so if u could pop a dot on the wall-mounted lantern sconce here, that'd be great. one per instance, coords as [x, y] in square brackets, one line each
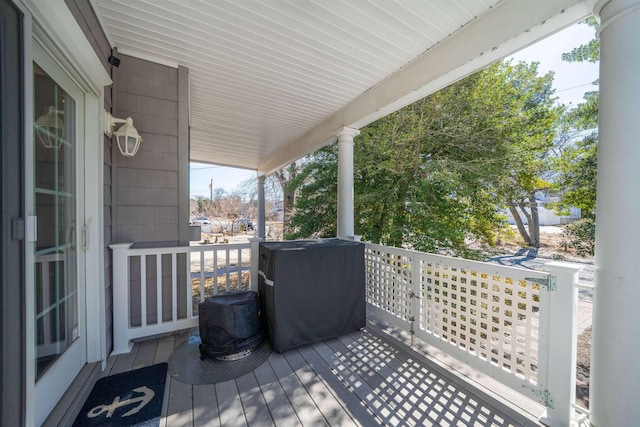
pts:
[49, 128]
[127, 136]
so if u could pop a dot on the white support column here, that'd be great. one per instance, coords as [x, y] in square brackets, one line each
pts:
[615, 354]
[261, 208]
[345, 181]
[562, 344]
[255, 257]
[121, 315]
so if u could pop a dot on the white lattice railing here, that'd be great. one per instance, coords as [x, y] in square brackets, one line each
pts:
[497, 319]
[157, 290]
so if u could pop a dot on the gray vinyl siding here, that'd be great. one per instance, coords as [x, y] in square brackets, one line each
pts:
[150, 193]
[147, 194]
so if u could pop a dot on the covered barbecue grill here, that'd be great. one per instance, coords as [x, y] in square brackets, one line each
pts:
[311, 290]
[230, 325]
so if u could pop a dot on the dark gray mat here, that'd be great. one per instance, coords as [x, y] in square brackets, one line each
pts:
[185, 364]
[131, 398]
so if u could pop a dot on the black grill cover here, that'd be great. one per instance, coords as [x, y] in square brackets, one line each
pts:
[229, 323]
[311, 290]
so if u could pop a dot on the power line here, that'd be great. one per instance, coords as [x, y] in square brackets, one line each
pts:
[575, 87]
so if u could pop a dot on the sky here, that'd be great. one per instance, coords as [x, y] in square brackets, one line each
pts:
[571, 81]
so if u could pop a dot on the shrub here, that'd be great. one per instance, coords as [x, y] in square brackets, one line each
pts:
[580, 236]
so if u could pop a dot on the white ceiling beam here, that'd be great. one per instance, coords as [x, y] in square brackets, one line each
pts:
[503, 30]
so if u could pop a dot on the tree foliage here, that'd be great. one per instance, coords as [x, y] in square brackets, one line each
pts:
[589, 52]
[577, 166]
[316, 205]
[434, 174]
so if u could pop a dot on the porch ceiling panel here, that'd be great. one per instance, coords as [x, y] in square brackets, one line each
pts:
[266, 74]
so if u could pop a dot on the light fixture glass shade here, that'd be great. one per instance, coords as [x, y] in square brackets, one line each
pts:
[128, 138]
[49, 128]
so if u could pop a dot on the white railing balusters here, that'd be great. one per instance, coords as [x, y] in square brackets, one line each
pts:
[228, 275]
[143, 291]
[215, 272]
[174, 286]
[123, 331]
[239, 268]
[202, 275]
[513, 324]
[158, 289]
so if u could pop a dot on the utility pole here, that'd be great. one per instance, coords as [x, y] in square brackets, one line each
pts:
[211, 190]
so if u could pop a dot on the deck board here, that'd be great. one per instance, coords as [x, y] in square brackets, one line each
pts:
[255, 407]
[328, 405]
[361, 382]
[124, 362]
[146, 354]
[358, 379]
[279, 406]
[303, 404]
[180, 406]
[229, 405]
[340, 390]
[205, 406]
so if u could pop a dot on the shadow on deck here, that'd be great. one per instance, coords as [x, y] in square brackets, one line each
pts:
[365, 378]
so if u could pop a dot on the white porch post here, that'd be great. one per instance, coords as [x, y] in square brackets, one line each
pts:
[345, 181]
[562, 344]
[255, 257]
[261, 208]
[121, 343]
[615, 369]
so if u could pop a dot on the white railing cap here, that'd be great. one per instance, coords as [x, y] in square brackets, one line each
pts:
[563, 266]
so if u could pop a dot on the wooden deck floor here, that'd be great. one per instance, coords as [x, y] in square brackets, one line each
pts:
[360, 379]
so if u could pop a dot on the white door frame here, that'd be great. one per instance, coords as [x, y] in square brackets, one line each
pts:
[52, 384]
[53, 25]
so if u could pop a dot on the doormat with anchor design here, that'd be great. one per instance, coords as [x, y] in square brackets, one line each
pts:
[131, 398]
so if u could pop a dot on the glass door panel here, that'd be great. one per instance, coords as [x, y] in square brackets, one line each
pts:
[56, 287]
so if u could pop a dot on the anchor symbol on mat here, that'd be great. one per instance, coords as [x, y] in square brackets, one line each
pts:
[147, 395]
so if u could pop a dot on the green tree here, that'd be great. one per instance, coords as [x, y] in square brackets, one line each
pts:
[531, 120]
[316, 206]
[434, 174]
[406, 185]
[577, 165]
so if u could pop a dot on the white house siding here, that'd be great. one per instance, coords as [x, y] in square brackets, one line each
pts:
[549, 217]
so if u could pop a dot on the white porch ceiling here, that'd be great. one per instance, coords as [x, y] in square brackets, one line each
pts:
[272, 79]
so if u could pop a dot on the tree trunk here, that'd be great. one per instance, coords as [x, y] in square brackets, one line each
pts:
[289, 199]
[397, 231]
[534, 222]
[285, 176]
[518, 220]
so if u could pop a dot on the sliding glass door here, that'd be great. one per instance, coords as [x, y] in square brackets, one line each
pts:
[60, 344]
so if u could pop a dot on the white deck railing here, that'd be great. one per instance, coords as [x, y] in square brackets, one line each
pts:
[513, 324]
[157, 290]
[516, 325]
